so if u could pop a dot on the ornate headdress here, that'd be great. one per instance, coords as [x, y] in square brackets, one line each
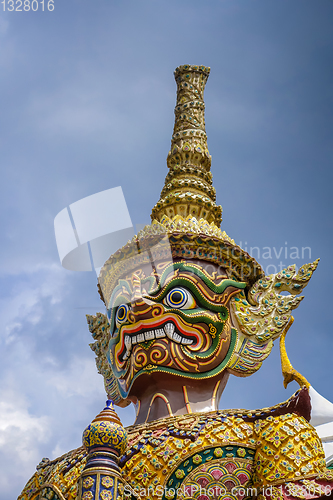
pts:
[186, 220]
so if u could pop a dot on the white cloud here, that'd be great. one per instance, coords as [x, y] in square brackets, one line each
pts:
[15, 420]
[45, 384]
[24, 302]
[21, 434]
[79, 379]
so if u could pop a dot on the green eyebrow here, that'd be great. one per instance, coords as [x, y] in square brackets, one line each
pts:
[194, 270]
[159, 294]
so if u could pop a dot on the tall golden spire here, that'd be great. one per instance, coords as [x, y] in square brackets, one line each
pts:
[186, 212]
[188, 189]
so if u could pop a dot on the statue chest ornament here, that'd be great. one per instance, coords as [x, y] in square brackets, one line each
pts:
[234, 454]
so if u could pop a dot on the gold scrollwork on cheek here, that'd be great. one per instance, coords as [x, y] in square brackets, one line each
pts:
[212, 330]
[140, 359]
[159, 356]
[131, 317]
[157, 310]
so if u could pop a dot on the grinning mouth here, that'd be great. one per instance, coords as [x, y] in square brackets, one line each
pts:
[169, 330]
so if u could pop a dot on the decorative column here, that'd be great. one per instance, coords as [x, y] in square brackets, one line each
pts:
[105, 440]
[188, 189]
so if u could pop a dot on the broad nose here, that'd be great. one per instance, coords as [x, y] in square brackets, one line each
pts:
[140, 307]
[141, 310]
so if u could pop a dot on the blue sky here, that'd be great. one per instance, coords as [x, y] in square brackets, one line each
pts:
[87, 96]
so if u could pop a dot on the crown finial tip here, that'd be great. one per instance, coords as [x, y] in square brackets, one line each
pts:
[188, 189]
[192, 67]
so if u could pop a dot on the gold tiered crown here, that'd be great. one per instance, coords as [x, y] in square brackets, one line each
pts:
[188, 189]
[186, 213]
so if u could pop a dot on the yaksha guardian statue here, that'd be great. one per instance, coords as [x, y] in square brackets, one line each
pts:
[187, 307]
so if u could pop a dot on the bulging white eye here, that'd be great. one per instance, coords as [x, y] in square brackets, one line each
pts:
[179, 298]
[121, 314]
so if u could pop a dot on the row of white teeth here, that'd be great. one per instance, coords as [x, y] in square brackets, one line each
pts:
[167, 331]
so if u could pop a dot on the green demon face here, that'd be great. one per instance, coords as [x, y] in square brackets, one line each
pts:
[192, 320]
[175, 320]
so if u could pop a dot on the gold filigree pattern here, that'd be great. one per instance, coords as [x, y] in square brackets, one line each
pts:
[61, 474]
[87, 482]
[107, 481]
[266, 313]
[285, 448]
[289, 449]
[278, 450]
